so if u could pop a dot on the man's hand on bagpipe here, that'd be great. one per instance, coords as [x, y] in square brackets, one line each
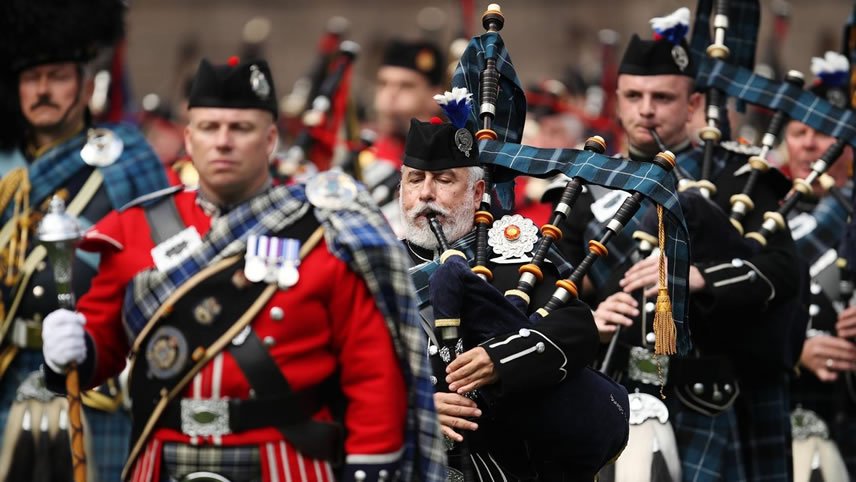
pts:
[471, 370]
[455, 412]
[846, 324]
[615, 311]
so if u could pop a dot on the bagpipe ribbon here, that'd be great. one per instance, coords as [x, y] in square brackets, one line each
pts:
[800, 105]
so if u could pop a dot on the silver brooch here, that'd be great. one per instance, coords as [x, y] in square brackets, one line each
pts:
[512, 237]
[464, 141]
[102, 147]
[682, 60]
[259, 83]
[331, 190]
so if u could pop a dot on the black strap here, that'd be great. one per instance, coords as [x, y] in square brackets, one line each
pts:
[315, 439]
[164, 220]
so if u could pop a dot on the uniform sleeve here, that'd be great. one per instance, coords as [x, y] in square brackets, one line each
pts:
[102, 304]
[751, 283]
[371, 379]
[566, 340]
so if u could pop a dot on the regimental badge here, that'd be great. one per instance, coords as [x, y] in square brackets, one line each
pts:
[331, 190]
[102, 147]
[837, 98]
[464, 141]
[166, 352]
[259, 83]
[512, 237]
[207, 310]
[679, 55]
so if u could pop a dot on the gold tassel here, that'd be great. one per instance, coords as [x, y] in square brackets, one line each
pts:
[664, 325]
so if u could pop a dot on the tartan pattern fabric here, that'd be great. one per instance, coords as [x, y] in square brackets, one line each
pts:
[240, 464]
[800, 105]
[361, 237]
[709, 447]
[617, 173]
[763, 417]
[138, 171]
[831, 220]
[272, 211]
[741, 36]
[510, 103]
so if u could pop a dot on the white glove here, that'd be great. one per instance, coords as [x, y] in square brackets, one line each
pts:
[63, 340]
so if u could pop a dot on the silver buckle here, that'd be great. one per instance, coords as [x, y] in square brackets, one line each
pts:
[642, 366]
[200, 418]
[204, 477]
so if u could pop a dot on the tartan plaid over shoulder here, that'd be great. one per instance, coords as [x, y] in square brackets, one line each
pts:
[360, 236]
[657, 184]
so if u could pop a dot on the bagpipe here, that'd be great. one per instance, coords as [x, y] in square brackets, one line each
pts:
[317, 108]
[469, 310]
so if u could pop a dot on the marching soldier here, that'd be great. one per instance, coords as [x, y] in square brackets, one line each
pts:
[51, 146]
[728, 281]
[271, 329]
[516, 373]
[823, 413]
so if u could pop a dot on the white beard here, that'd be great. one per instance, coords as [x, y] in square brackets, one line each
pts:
[456, 223]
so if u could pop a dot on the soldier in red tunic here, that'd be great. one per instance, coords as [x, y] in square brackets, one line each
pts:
[271, 330]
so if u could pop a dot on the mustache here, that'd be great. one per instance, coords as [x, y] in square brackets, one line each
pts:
[426, 209]
[43, 101]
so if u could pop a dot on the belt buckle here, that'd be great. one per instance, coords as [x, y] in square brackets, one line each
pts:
[200, 418]
[642, 366]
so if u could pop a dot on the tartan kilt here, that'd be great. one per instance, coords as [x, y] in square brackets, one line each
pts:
[709, 447]
[764, 422]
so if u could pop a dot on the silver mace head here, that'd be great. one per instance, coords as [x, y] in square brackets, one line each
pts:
[59, 232]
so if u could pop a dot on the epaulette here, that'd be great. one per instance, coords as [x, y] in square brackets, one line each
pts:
[740, 148]
[152, 196]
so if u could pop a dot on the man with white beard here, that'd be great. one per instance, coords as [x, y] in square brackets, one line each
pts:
[509, 372]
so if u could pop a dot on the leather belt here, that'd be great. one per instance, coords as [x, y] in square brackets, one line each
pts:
[220, 417]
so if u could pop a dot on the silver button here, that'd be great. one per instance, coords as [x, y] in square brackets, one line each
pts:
[651, 337]
[38, 291]
[524, 332]
[737, 262]
[41, 266]
[698, 388]
[813, 310]
[752, 275]
[540, 347]
[360, 475]
[717, 395]
[276, 313]
[432, 350]
[815, 288]
[650, 307]
[727, 388]
[433, 380]
[268, 341]
[382, 475]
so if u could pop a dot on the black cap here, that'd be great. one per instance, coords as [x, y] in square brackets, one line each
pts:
[423, 57]
[36, 32]
[656, 57]
[244, 85]
[432, 146]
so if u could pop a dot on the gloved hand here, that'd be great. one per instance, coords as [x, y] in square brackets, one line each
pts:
[63, 339]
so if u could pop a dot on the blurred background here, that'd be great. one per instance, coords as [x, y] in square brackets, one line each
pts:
[556, 39]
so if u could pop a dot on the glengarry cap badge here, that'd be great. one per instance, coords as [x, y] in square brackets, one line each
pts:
[259, 83]
[464, 141]
[679, 55]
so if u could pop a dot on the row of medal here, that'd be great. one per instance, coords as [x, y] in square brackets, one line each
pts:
[272, 260]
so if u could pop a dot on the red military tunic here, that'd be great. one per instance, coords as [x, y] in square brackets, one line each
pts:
[330, 322]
